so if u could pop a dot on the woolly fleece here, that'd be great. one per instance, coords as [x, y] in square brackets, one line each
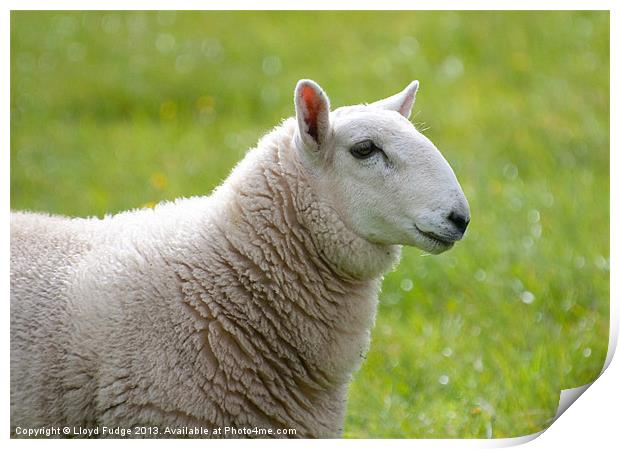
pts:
[251, 307]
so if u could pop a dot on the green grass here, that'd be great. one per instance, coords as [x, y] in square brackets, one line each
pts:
[111, 111]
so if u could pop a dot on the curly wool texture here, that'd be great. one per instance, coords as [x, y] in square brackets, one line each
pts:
[251, 307]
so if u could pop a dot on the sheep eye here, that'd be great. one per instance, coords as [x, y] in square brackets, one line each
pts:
[365, 149]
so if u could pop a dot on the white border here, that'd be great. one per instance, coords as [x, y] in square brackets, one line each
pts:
[590, 420]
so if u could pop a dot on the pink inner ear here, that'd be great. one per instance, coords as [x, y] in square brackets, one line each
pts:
[313, 106]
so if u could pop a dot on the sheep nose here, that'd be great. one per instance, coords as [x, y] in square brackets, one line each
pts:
[459, 220]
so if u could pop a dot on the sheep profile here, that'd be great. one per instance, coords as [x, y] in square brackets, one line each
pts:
[247, 309]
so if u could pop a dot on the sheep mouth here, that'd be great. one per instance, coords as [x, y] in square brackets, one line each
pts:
[434, 237]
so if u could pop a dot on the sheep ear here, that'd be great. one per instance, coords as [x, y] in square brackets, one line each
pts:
[312, 109]
[402, 102]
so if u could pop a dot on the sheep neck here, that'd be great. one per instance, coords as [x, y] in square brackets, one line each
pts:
[349, 255]
[300, 251]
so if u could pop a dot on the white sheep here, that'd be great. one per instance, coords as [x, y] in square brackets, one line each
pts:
[250, 308]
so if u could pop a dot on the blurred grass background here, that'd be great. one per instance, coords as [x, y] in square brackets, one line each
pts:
[112, 110]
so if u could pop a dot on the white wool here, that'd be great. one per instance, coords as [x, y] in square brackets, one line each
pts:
[250, 307]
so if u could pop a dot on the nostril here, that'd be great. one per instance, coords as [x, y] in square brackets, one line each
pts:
[460, 221]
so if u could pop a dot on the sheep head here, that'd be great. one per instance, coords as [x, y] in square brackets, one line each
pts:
[388, 181]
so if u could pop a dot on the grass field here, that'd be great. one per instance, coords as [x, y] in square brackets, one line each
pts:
[111, 111]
